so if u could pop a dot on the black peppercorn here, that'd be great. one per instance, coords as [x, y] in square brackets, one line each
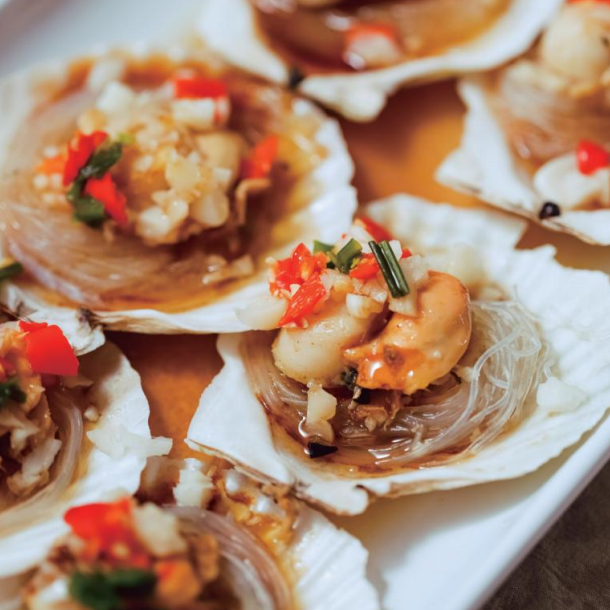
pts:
[317, 450]
[295, 78]
[548, 210]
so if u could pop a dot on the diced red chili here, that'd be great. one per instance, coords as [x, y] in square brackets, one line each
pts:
[52, 165]
[105, 191]
[304, 301]
[591, 157]
[109, 533]
[48, 350]
[368, 267]
[261, 158]
[361, 30]
[80, 150]
[375, 230]
[297, 268]
[199, 87]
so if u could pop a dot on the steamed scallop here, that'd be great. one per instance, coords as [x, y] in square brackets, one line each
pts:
[511, 374]
[537, 131]
[169, 178]
[228, 543]
[351, 58]
[72, 429]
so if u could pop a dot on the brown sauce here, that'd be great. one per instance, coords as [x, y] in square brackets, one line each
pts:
[314, 39]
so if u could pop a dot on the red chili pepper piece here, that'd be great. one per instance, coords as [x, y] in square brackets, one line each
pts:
[365, 30]
[591, 157]
[105, 191]
[297, 268]
[368, 267]
[109, 532]
[261, 158]
[48, 350]
[376, 231]
[199, 87]
[304, 301]
[80, 150]
[53, 165]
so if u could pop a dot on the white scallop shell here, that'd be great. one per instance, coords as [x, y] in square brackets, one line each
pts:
[117, 394]
[327, 216]
[329, 565]
[229, 28]
[485, 166]
[571, 309]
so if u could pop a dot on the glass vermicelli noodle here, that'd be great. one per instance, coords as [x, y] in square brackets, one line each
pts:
[542, 124]
[252, 574]
[68, 417]
[448, 420]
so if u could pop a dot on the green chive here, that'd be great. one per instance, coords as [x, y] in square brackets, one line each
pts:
[392, 273]
[111, 590]
[320, 246]
[126, 138]
[10, 270]
[346, 256]
[90, 211]
[101, 161]
[10, 390]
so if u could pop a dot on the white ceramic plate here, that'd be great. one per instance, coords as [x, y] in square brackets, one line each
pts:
[441, 551]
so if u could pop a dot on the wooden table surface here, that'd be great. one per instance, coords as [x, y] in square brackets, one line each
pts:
[397, 153]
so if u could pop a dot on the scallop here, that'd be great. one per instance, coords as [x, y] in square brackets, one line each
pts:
[486, 166]
[569, 323]
[119, 442]
[230, 28]
[323, 209]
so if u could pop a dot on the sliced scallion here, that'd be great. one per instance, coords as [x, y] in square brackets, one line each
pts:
[10, 270]
[392, 273]
[345, 257]
[320, 246]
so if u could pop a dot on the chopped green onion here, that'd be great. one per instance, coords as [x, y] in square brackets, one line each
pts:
[10, 390]
[10, 270]
[346, 256]
[90, 211]
[320, 246]
[126, 138]
[109, 591]
[392, 273]
[101, 161]
[349, 378]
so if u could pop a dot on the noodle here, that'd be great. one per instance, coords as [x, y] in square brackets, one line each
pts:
[68, 418]
[440, 423]
[253, 575]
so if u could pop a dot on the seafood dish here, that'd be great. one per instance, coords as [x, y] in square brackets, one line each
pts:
[536, 131]
[71, 428]
[169, 180]
[414, 354]
[219, 541]
[352, 55]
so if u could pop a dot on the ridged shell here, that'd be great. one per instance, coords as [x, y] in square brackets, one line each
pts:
[117, 394]
[570, 307]
[330, 566]
[485, 166]
[328, 215]
[229, 27]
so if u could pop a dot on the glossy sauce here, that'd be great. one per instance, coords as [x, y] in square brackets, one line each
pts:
[314, 39]
[397, 153]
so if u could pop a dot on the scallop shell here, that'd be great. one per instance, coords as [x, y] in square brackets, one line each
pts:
[331, 566]
[570, 306]
[485, 166]
[328, 215]
[229, 28]
[118, 395]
